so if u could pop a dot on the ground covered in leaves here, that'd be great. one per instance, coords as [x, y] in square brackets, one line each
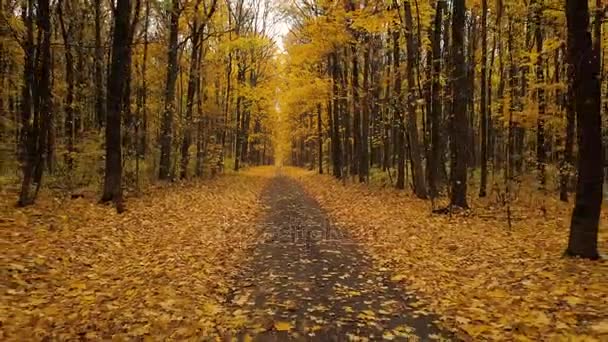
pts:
[283, 254]
[75, 269]
[307, 280]
[486, 281]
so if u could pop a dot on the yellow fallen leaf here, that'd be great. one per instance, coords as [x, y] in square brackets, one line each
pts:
[600, 327]
[398, 277]
[283, 326]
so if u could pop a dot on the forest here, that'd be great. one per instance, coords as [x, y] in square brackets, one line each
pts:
[324, 170]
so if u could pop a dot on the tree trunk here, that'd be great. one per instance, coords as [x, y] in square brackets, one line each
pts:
[37, 89]
[69, 79]
[320, 138]
[484, 102]
[117, 81]
[584, 72]
[540, 79]
[412, 126]
[357, 145]
[397, 108]
[459, 117]
[335, 136]
[193, 79]
[436, 103]
[99, 95]
[365, 106]
[164, 172]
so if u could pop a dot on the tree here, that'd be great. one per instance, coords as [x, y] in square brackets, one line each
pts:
[483, 99]
[37, 98]
[458, 122]
[584, 76]
[117, 80]
[412, 126]
[436, 103]
[164, 170]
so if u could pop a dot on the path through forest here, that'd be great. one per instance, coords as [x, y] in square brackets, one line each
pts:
[307, 279]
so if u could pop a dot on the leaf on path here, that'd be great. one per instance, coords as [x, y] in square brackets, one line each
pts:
[283, 326]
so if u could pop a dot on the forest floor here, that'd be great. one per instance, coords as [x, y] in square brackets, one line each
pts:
[276, 255]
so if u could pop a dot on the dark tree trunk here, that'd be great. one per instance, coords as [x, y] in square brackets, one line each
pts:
[143, 137]
[193, 80]
[357, 145]
[164, 171]
[38, 75]
[398, 111]
[99, 93]
[459, 125]
[585, 78]
[365, 107]
[117, 80]
[335, 136]
[412, 127]
[320, 138]
[484, 101]
[69, 79]
[436, 104]
[540, 79]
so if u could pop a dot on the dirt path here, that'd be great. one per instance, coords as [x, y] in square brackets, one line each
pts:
[307, 281]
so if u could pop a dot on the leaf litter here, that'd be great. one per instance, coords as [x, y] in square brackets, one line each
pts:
[484, 280]
[78, 270]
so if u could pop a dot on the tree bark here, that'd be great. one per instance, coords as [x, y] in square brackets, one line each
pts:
[459, 125]
[484, 102]
[585, 78]
[540, 79]
[397, 109]
[117, 80]
[164, 172]
[436, 103]
[99, 93]
[412, 125]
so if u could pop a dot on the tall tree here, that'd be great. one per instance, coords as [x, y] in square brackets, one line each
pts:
[412, 120]
[484, 99]
[37, 89]
[164, 170]
[397, 107]
[436, 102]
[99, 93]
[458, 122]
[117, 80]
[585, 77]
[540, 79]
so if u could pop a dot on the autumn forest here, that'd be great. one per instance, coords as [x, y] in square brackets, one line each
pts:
[324, 170]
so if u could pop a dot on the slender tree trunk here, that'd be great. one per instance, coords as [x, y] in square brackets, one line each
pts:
[365, 106]
[540, 78]
[459, 117]
[357, 145]
[436, 103]
[397, 108]
[193, 79]
[484, 102]
[585, 70]
[38, 76]
[99, 93]
[320, 138]
[164, 172]
[143, 139]
[335, 136]
[412, 122]
[69, 79]
[116, 87]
